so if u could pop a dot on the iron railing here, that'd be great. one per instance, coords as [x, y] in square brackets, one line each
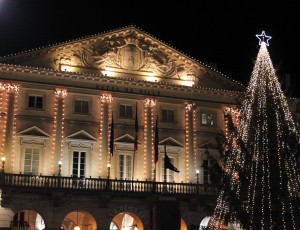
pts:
[102, 184]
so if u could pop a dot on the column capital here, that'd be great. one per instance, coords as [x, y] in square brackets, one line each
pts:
[149, 102]
[61, 93]
[106, 98]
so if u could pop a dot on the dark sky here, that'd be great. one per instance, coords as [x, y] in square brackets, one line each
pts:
[221, 32]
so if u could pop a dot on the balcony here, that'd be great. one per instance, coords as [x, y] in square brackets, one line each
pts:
[53, 183]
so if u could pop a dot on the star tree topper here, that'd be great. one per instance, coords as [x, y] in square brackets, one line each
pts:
[263, 38]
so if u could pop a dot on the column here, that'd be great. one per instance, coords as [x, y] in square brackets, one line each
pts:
[149, 105]
[106, 114]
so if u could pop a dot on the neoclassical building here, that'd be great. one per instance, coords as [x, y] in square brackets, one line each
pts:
[69, 115]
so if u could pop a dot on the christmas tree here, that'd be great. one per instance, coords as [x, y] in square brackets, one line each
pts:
[260, 187]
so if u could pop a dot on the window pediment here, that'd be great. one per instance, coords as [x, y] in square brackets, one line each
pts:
[81, 139]
[33, 135]
[125, 142]
[172, 146]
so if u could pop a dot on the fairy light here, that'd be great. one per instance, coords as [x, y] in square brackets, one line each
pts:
[195, 139]
[145, 138]
[266, 127]
[61, 95]
[188, 110]
[3, 110]
[8, 90]
[105, 99]
[54, 128]
[109, 131]
[149, 104]
[14, 89]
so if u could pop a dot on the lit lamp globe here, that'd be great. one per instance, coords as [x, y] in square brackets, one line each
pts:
[76, 227]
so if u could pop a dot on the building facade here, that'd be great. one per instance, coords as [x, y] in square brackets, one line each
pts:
[71, 114]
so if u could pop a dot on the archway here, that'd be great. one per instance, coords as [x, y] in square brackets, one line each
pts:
[183, 225]
[126, 221]
[79, 220]
[29, 219]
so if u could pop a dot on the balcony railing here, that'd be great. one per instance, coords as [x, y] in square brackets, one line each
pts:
[102, 184]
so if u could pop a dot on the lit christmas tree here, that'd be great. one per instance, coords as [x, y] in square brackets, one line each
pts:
[260, 188]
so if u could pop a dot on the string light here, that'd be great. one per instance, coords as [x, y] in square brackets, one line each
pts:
[267, 160]
[149, 104]
[104, 100]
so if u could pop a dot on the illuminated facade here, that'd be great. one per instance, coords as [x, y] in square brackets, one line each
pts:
[57, 104]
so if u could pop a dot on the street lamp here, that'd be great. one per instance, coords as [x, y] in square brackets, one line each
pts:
[108, 170]
[59, 168]
[3, 163]
[197, 175]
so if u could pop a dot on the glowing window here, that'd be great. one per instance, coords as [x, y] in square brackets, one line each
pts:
[207, 119]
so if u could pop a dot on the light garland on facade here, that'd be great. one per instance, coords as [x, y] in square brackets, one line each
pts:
[7, 89]
[188, 109]
[61, 94]
[15, 91]
[110, 116]
[149, 105]
[105, 99]
[195, 140]
[3, 110]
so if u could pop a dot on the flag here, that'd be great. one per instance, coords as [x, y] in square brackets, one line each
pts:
[168, 164]
[111, 143]
[156, 143]
[136, 130]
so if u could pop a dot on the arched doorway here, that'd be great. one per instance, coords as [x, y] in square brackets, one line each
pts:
[27, 219]
[79, 220]
[126, 221]
[183, 225]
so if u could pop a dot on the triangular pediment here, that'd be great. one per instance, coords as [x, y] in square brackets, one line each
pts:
[34, 132]
[82, 136]
[125, 139]
[171, 142]
[128, 52]
[208, 145]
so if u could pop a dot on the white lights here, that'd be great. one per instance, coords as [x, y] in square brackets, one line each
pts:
[263, 38]
[262, 169]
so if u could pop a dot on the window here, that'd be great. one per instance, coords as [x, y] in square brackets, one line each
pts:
[81, 106]
[125, 166]
[79, 164]
[169, 173]
[35, 102]
[31, 161]
[207, 119]
[167, 115]
[125, 111]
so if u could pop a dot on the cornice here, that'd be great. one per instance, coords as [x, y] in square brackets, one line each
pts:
[95, 78]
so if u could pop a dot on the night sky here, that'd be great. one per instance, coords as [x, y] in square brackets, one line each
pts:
[220, 32]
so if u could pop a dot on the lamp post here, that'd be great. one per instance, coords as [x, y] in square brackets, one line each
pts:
[197, 175]
[108, 170]
[59, 168]
[3, 163]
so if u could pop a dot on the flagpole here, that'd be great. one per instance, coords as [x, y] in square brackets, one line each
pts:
[133, 163]
[165, 189]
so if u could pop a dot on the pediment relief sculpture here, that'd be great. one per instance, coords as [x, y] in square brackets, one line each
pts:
[128, 54]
